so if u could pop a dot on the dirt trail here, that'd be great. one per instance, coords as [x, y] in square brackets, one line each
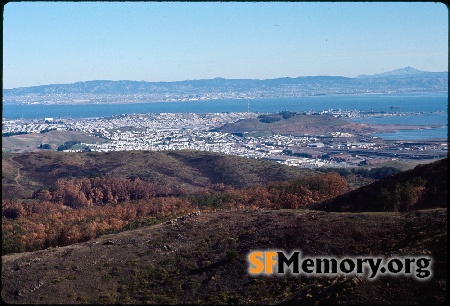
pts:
[16, 179]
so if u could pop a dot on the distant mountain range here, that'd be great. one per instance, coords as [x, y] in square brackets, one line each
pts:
[406, 72]
[397, 81]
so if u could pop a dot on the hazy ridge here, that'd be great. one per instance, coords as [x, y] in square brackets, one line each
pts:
[398, 81]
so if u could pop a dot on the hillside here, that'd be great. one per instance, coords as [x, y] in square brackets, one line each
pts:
[198, 254]
[422, 187]
[30, 142]
[202, 260]
[294, 124]
[192, 170]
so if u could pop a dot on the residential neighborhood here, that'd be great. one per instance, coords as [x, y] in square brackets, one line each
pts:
[192, 131]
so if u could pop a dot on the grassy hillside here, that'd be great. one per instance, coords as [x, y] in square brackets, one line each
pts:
[424, 186]
[31, 142]
[402, 165]
[296, 125]
[202, 260]
[192, 170]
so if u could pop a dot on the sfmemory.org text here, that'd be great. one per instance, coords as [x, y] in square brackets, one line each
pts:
[275, 262]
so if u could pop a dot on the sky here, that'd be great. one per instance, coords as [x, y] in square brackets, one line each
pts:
[66, 42]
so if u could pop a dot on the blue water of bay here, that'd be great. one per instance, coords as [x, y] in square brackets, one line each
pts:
[421, 134]
[419, 120]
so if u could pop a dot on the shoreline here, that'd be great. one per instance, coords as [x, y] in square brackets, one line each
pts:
[392, 128]
[181, 100]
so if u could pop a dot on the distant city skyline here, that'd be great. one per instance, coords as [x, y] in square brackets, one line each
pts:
[66, 42]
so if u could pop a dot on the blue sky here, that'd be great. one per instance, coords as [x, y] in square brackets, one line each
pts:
[66, 42]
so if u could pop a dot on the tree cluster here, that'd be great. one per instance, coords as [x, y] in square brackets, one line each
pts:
[374, 173]
[403, 196]
[288, 114]
[79, 209]
[45, 146]
[35, 225]
[8, 134]
[85, 192]
[269, 118]
[67, 145]
[278, 195]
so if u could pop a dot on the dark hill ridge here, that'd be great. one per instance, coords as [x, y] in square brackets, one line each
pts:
[192, 170]
[202, 260]
[424, 186]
